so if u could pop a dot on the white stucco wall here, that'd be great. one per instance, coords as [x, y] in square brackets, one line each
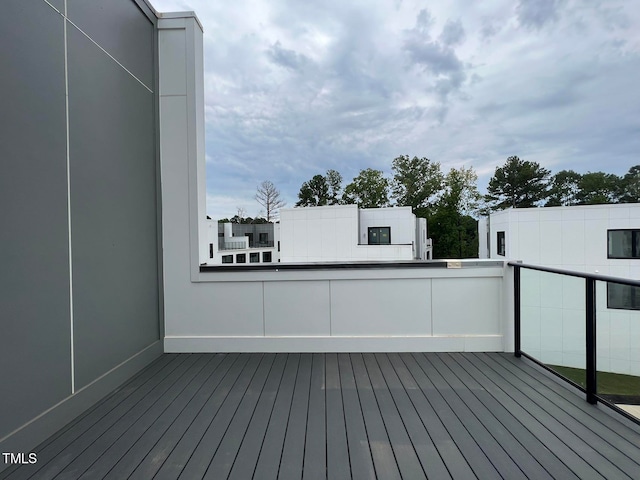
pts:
[400, 219]
[331, 234]
[572, 238]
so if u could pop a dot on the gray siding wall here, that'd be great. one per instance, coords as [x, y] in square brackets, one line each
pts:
[66, 322]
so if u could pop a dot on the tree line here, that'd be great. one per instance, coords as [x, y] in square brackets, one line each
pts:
[521, 184]
[451, 201]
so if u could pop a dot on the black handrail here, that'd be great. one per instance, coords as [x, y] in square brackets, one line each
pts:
[590, 327]
[572, 273]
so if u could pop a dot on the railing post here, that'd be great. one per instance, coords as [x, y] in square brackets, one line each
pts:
[516, 312]
[590, 295]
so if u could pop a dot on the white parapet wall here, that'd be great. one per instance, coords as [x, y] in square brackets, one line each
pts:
[341, 310]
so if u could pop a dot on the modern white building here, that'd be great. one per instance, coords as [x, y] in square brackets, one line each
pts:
[335, 233]
[603, 239]
[230, 243]
[347, 233]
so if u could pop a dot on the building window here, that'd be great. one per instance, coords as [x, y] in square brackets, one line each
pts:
[623, 297]
[278, 245]
[266, 257]
[501, 244]
[263, 237]
[379, 235]
[623, 244]
[254, 257]
[211, 250]
[227, 259]
[241, 258]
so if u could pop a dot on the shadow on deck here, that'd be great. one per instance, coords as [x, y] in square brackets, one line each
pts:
[340, 416]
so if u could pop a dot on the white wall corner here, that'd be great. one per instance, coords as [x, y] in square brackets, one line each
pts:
[182, 138]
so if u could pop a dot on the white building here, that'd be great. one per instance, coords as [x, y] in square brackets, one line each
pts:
[335, 233]
[230, 243]
[345, 233]
[602, 239]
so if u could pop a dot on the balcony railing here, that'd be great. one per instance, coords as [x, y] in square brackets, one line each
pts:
[265, 244]
[232, 245]
[222, 245]
[566, 322]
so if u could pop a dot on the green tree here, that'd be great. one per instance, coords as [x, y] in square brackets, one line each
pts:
[453, 229]
[453, 236]
[370, 189]
[518, 184]
[334, 181]
[630, 186]
[416, 182]
[598, 188]
[313, 193]
[564, 186]
[269, 197]
[320, 190]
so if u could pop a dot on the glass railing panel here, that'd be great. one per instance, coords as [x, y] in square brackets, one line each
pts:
[618, 345]
[553, 322]
[530, 328]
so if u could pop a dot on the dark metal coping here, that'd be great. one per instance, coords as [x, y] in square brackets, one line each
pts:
[276, 267]
[571, 273]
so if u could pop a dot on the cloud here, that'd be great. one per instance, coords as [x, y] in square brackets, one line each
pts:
[295, 88]
[286, 58]
[437, 56]
[537, 13]
[452, 33]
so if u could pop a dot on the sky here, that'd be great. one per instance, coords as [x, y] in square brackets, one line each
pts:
[294, 88]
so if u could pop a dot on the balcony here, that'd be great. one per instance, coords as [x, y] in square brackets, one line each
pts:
[125, 364]
[384, 414]
[339, 416]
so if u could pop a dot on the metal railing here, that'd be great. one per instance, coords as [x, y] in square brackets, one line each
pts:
[591, 377]
[265, 244]
[231, 245]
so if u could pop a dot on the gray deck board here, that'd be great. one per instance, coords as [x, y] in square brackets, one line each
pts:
[315, 452]
[535, 451]
[473, 454]
[293, 449]
[361, 461]
[340, 416]
[337, 451]
[382, 452]
[610, 460]
[268, 464]
[252, 443]
[432, 463]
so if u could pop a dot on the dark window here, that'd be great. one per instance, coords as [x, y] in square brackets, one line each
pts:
[227, 259]
[278, 245]
[241, 258]
[379, 235]
[623, 297]
[266, 257]
[263, 237]
[501, 244]
[254, 257]
[211, 250]
[623, 244]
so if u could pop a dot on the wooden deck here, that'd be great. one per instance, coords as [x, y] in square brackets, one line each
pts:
[340, 416]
